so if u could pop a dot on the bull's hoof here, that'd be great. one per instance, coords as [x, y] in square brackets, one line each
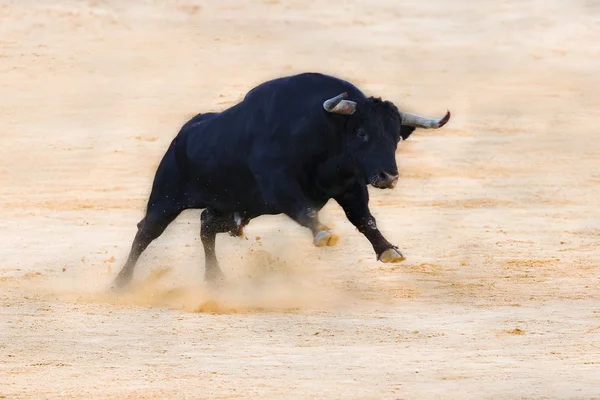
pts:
[214, 277]
[391, 256]
[325, 238]
[121, 282]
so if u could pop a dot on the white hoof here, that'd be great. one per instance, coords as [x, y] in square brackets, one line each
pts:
[325, 238]
[391, 256]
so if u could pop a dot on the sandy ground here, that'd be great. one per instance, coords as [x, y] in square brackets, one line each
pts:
[498, 212]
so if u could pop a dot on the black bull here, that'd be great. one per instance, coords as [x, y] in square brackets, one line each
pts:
[289, 146]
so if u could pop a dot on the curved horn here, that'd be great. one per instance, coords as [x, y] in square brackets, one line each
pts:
[424, 122]
[338, 105]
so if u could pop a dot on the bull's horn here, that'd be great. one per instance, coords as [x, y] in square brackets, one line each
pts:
[424, 122]
[338, 105]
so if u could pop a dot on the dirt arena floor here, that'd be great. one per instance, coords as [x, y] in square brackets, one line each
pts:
[498, 212]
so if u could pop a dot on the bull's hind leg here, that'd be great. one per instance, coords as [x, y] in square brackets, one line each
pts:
[324, 236]
[212, 223]
[150, 228]
[164, 205]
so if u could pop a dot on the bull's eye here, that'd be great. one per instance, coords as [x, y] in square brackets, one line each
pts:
[362, 134]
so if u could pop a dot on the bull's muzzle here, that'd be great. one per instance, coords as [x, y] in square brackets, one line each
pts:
[384, 180]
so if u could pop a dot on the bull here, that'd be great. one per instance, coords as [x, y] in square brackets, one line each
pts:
[291, 145]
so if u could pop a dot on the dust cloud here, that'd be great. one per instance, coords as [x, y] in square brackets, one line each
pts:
[259, 283]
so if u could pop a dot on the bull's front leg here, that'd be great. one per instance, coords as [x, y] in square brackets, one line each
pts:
[355, 203]
[284, 194]
[322, 234]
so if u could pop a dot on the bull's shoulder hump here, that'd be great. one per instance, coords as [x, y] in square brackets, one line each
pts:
[315, 82]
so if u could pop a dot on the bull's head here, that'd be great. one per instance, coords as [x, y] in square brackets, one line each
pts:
[373, 133]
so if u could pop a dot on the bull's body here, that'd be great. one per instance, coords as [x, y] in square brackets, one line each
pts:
[276, 152]
[221, 152]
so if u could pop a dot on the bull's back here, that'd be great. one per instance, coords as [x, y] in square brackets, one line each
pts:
[273, 111]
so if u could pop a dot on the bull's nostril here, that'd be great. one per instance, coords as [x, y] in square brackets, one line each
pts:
[383, 176]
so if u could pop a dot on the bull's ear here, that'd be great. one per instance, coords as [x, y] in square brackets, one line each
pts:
[406, 131]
